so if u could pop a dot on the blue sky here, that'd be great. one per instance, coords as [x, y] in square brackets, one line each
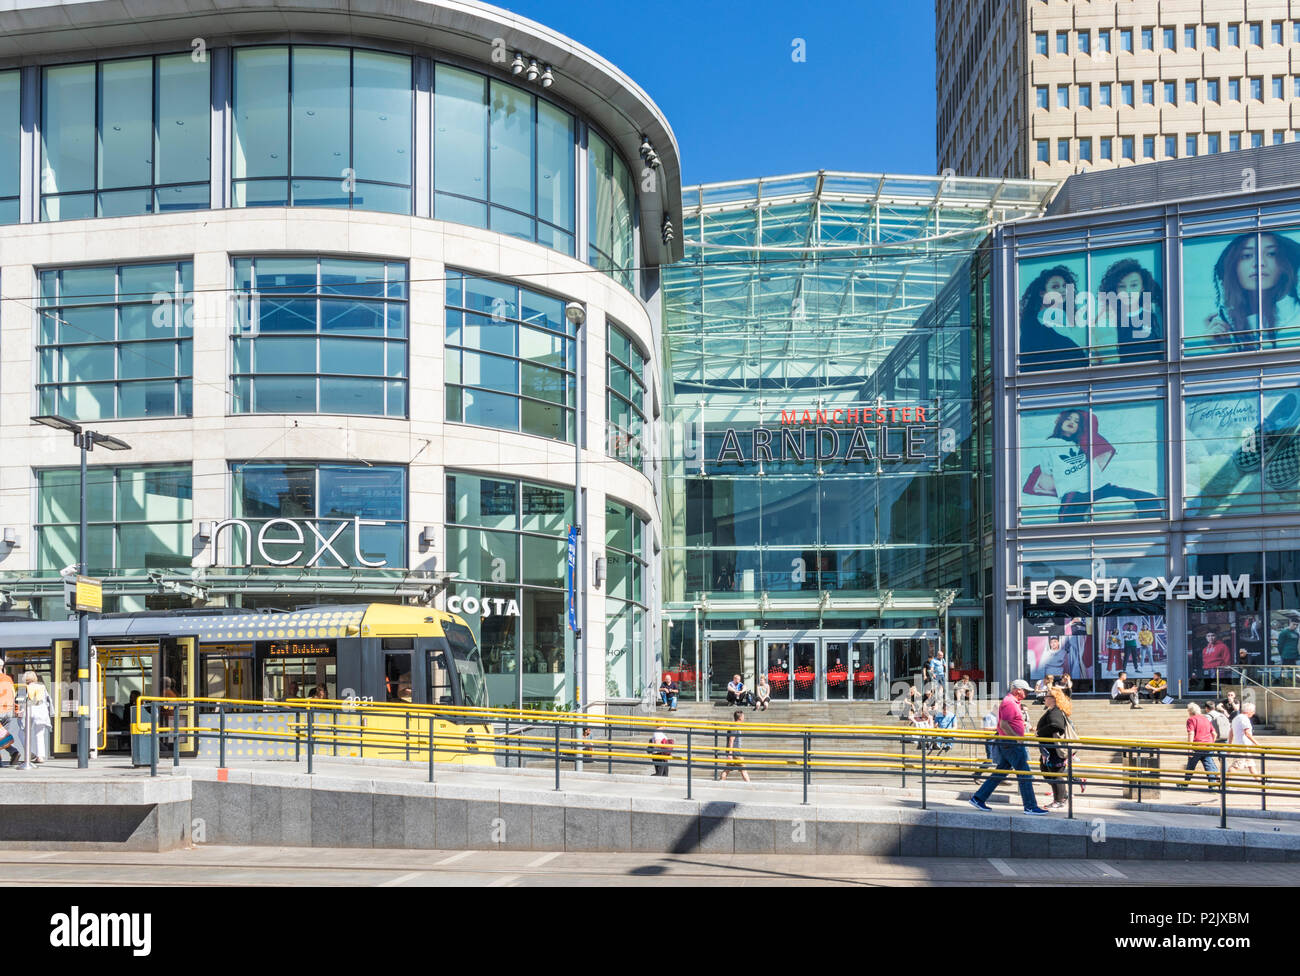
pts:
[741, 107]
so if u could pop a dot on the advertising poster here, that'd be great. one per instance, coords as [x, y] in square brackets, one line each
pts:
[1106, 306]
[1234, 459]
[1284, 639]
[1211, 645]
[1057, 646]
[1089, 463]
[1240, 291]
[1135, 644]
[1053, 312]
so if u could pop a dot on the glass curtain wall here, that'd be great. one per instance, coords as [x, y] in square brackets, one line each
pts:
[625, 601]
[116, 342]
[503, 159]
[137, 519]
[322, 127]
[319, 335]
[125, 137]
[625, 396]
[508, 541]
[511, 357]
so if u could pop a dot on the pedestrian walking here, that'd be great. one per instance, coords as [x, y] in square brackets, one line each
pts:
[661, 747]
[1243, 735]
[1010, 753]
[989, 722]
[1200, 730]
[11, 732]
[1052, 758]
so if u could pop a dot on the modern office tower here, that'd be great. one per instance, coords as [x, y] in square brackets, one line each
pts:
[371, 292]
[823, 495]
[1028, 88]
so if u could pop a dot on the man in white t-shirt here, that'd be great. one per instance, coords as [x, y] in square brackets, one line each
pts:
[1243, 735]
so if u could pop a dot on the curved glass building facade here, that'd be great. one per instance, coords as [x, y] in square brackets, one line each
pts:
[375, 309]
[825, 498]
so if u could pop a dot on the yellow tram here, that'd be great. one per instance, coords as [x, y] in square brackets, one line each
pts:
[360, 653]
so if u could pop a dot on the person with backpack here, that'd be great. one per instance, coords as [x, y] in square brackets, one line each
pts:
[661, 747]
[1219, 718]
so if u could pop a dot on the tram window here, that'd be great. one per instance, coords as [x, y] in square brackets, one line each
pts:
[399, 643]
[469, 667]
[397, 677]
[299, 677]
[439, 679]
[228, 673]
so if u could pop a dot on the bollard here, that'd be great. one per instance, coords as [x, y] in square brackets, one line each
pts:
[310, 742]
[688, 764]
[1069, 771]
[924, 751]
[1223, 791]
[153, 740]
[431, 748]
[805, 767]
[221, 736]
[557, 755]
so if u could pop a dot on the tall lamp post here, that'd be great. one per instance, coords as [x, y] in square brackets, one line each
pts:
[86, 441]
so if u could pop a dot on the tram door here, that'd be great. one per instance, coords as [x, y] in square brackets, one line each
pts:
[120, 674]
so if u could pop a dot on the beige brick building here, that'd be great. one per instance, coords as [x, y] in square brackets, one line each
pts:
[1048, 88]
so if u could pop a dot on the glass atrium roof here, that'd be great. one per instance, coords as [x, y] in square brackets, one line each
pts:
[805, 283]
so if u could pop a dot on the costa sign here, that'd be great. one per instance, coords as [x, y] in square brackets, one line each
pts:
[1221, 587]
[906, 433]
[486, 607]
[323, 542]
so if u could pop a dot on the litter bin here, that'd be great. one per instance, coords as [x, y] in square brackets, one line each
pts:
[1146, 767]
[141, 740]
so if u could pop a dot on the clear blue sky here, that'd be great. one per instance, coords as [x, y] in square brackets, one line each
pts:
[741, 107]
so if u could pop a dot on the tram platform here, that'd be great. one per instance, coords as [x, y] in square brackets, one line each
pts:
[388, 804]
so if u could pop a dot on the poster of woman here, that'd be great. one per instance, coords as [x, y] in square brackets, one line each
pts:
[1078, 467]
[1129, 313]
[1053, 314]
[1241, 292]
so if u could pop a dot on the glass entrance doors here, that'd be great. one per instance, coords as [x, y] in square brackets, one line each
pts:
[817, 665]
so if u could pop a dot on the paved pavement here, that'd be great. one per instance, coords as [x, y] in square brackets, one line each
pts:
[348, 867]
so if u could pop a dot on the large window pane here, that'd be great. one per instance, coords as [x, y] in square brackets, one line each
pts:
[126, 123]
[460, 134]
[10, 131]
[554, 165]
[381, 125]
[261, 110]
[184, 108]
[320, 112]
[511, 144]
[68, 129]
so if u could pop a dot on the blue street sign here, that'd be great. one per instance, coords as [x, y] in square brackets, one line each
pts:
[572, 577]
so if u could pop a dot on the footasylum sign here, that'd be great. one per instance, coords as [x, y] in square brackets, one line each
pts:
[1221, 587]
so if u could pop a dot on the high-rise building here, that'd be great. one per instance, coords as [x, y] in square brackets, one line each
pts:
[1048, 88]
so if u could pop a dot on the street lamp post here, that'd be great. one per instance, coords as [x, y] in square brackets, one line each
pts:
[86, 441]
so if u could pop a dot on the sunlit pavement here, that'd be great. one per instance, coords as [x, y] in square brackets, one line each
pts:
[350, 867]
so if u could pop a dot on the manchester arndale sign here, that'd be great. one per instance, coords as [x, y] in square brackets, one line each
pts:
[868, 433]
[279, 555]
[1221, 587]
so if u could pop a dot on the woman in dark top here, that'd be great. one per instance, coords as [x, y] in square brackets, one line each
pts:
[1052, 758]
